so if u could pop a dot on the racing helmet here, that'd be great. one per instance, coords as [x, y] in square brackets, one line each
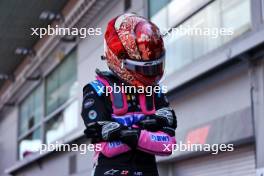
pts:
[134, 50]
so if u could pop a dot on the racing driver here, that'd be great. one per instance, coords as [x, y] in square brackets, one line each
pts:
[131, 127]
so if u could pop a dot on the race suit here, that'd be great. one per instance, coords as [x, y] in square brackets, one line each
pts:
[131, 152]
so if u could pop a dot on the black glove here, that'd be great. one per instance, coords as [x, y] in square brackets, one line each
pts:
[150, 123]
[93, 129]
[111, 131]
[164, 118]
[130, 137]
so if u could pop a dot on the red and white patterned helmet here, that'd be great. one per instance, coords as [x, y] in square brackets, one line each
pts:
[134, 50]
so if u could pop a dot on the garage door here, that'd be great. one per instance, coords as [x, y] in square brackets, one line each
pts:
[241, 162]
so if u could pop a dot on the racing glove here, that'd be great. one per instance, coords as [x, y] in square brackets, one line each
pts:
[130, 137]
[163, 120]
[114, 131]
[111, 131]
[104, 130]
[93, 129]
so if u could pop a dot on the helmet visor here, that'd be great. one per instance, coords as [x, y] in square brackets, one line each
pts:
[146, 68]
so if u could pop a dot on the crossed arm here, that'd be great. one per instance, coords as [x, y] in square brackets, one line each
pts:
[151, 134]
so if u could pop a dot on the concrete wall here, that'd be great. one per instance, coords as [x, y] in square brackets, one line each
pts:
[220, 94]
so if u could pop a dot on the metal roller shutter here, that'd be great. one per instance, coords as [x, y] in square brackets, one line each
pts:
[241, 162]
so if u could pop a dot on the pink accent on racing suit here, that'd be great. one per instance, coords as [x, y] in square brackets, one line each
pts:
[150, 142]
[155, 142]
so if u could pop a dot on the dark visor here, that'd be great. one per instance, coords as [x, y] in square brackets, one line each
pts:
[146, 68]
